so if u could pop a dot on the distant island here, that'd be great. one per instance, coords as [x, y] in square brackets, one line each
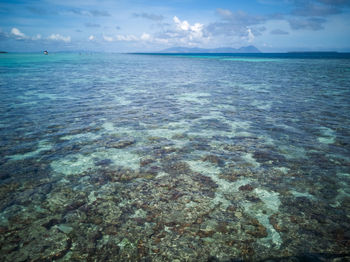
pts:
[244, 49]
[312, 52]
[3, 52]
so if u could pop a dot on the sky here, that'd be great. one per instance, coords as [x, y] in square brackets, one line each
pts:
[154, 25]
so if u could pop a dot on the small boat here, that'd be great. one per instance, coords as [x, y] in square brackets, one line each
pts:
[46, 53]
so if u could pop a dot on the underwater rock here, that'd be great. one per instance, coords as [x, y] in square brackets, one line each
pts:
[104, 162]
[155, 139]
[3, 174]
[106, 250]
[238, 214]
[212, 159]
[231, 208]
[127, 175]
[142, 250]
[121, 144]
[253, 199]
[258, 231]
[146, 161]
[75, 205]
[33, 244]
[65, 228]
[229, 176]
[268, 156]
[7, 190]
[176, 195]
[121, 175]
[206, 185]
[203, 233]
[235, 148]
[108, 210]
[75, 216]
[247, 251]
[233, 173]
[51, 223]
[167, 150]
[273, 221]
[62, 199]
[85, 240]
[176, 168]
[223, 228]
[147, 175]
[342, 237]
[179, 136]
[246, 187]
[194, 144]
[3, 229]
[111, 230]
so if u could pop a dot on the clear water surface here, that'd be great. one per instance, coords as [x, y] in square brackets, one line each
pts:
[125, 157]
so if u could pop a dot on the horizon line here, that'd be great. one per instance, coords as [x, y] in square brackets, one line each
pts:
[162, 52]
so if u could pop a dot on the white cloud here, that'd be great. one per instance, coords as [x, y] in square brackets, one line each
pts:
[224, 12]
[186, 33]
[37, 37]
[182, 33]
[129, 38]
[161, 41]
[108, 38]
[17, 33]
[126, 38]
[185, 26]
[181, 25]
[58, 37]
[91, 37]
[233, 27]
[197, 30]
[146, 37]
[250, 36]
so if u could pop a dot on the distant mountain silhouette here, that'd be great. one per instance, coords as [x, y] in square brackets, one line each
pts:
[244, 49]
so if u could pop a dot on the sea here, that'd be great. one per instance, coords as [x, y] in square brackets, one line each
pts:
[174, 157]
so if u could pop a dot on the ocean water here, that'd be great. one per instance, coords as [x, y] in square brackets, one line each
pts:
[131, 157]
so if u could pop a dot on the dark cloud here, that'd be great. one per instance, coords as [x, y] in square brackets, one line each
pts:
[78, 12]
[152, 17]
[3, 36]
[40, 11]
[279, 32]
[99, 13]
[311, 8]
[240, 17]
[276, 16]
[236, 23]
[92, 25]
[313, 24]
[255, 30]
[161, 26]
[315, 13]
[335, 2]
[323, 8]
[94, 13]
[118, 27]
[304, 15]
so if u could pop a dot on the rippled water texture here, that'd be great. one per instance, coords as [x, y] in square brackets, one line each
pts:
[111, 157]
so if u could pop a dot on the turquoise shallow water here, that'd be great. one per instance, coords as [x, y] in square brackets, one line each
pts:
[162, 157]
